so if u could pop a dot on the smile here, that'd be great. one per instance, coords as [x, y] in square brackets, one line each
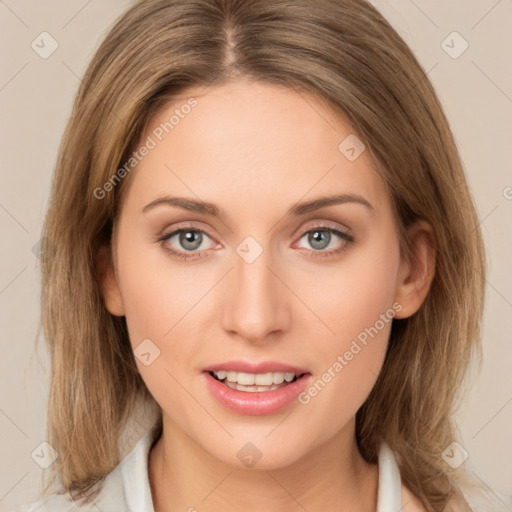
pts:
[254, 382]
[236, 393]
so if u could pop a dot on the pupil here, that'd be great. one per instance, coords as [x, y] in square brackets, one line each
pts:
[319, 237]
[188, 240]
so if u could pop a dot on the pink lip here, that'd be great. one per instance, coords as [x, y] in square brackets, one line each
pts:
[263, 367]
[261, 402]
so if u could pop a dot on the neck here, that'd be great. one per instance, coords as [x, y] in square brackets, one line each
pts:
[333, 476]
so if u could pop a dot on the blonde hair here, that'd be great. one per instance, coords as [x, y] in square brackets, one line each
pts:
[342, 52]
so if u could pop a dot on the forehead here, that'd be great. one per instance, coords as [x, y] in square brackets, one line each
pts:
[246, 145]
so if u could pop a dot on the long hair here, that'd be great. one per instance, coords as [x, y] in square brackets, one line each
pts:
[349, 57]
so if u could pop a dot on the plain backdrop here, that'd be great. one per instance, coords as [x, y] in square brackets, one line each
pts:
[475, 88]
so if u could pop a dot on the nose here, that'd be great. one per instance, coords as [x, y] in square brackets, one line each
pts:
[256, 306]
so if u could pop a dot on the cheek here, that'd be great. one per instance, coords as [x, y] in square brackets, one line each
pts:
[156, 293]
[161, 304]
[353, 294]
[356, 306]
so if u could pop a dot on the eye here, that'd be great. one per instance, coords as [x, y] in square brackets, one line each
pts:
[185, 243]
[189, 242]
[323, 237]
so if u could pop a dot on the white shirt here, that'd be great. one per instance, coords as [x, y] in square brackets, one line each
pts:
[127, 487]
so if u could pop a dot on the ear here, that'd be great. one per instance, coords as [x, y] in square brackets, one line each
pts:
[417, 272]
[108, 281]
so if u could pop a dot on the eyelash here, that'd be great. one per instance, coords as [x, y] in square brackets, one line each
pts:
[348, 240]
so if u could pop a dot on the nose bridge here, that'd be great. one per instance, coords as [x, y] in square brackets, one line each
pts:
[256, 303]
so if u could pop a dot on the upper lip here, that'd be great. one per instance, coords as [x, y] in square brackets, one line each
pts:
[263, 367]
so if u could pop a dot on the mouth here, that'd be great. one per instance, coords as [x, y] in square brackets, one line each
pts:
[255, 389]
[255, 382]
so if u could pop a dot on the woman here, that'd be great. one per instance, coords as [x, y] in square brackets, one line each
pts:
[260, 228]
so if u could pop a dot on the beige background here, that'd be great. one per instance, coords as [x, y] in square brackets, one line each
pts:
[35, 102]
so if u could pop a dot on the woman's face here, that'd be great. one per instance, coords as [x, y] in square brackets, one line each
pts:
[261, 276]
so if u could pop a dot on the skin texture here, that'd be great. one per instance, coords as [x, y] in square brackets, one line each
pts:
[254, 150]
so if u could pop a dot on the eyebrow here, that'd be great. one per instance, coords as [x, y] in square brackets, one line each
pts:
[300, 208]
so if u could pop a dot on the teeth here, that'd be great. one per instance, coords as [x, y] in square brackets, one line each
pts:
[288, 377]
[231, 376]
[258, 379]
[252, 389]
[264, 379]
[278, 378]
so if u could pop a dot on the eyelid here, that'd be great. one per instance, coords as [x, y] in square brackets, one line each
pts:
[317, 224]
[323, 224]
[165, 234]
[192, 225]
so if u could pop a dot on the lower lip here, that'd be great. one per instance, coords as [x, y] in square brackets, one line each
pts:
[256, 403]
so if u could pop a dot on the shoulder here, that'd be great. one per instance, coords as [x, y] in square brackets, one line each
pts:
[485, 499]
[126, 486]
[476, 499]
[50, 503]
[110, 496]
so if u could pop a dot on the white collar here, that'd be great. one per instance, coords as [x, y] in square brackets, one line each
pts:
[134, 471]
[390, 483]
